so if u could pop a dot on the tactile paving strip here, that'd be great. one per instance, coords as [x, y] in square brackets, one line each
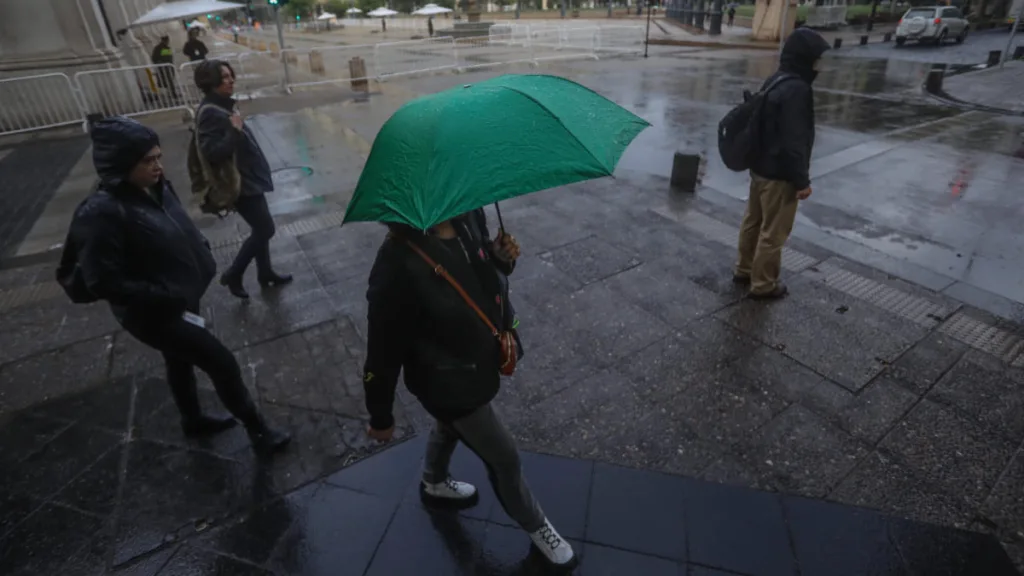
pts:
[985, 337]
[914, 308]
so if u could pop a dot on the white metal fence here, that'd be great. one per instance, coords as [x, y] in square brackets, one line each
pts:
[131, 91]
[36, 102]
[50, 100]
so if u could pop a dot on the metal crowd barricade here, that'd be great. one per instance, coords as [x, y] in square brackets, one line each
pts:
[412, 56]
[36, 102]
[187, 72]
[491, 50]
[620, 39]
[131, 91]
[259, 72]
[329, 64]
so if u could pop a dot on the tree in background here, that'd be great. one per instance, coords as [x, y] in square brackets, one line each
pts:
[337, 7]
[303, 8]
[445, 3]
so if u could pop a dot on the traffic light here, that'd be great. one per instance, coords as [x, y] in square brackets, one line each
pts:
[297, 17]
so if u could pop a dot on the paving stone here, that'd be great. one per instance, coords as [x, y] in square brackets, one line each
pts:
[801, 453]
[638, 511]
[59, 461]
[660, 288]
[885, 484]
[929, 550]
[849, 348]
[737, 529]
[105, 405]
[424, 543]
[590, 259]
[868, 415]
[95, 490]
[189, 560]
[834, 540]
[55, 374]
[13, 509]
[388, 474]
[148, 565]
[539, 229]
[950, 451]
[52, 325]
[23, 433]
[988, 396]
[1005, 503]
[259, 320]
[561, 486]
[921, 366]
[604, 561]
[728, 469]
[48, 538]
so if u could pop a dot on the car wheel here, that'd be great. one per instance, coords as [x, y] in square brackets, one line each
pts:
[901, 41]
[963, 36]
[941, 39]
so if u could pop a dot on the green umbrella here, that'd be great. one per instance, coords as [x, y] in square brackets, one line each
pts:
[448, 153]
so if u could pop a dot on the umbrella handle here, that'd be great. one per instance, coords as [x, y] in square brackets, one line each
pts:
[501, 225]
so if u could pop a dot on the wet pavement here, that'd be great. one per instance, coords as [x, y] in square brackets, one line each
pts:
[872, 385]
[973, 51]
[996, 88]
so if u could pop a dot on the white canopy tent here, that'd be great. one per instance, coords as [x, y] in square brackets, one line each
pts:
[431, 10]
[183, 9]
[381, 12]
[353, 11]
[197, 24]
[326, 16]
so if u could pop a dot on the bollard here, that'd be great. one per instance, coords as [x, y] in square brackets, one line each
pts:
[1018, 52]
[994, 56]
[262, 46]
[863, 40]
[887, 37]
[275, 50]
[837, 44]
[316, 62]
[933, 83]
[357, 71]
[685, 171]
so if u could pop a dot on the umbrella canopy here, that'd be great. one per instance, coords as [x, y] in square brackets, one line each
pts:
[448, 153]
[381, 12]
[432, 9]
[353, 11]
[174, 11]
[326, 16]
[197, 24]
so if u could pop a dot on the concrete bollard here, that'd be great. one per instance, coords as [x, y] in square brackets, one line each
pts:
[686, 170]
[933, 82]
[994, 56]
[887, 37]
[837, 43]
[357, 72]
[863, 40]
[262, 46]
[316, 62]
[1018, 53]
[275, 50]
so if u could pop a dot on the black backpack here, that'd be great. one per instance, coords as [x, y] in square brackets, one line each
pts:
[739, 132]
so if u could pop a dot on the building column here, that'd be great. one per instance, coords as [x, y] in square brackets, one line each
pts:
[52, 36]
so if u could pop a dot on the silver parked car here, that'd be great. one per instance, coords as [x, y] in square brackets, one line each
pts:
[932, 24]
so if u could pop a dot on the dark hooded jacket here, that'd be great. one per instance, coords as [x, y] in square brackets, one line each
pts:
[787, 135]
[137, 250]
[418, 323]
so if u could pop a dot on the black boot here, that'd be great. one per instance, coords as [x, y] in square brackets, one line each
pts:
[234, 285]
[265, 439]
[207, 424]
[273, 280]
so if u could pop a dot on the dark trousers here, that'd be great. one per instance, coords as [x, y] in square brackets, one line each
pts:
[186, 346]
[256, 213]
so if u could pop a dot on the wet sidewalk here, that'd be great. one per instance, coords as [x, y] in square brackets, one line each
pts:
[993, 88]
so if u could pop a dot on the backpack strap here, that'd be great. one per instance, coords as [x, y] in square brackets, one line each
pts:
[782, 78]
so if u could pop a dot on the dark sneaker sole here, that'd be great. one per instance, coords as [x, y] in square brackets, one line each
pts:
[549, 566]
[440, 503]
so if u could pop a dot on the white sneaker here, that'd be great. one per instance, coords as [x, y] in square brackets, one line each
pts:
[550, 543]
[450, 493]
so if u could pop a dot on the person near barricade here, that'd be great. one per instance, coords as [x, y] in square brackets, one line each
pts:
[430, 26]
[163, 57]
[732, 15]
[194, 48]
[779, 165]
[132, 244]
[441, 333]
[223, 136]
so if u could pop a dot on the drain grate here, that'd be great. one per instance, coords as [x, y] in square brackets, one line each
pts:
[914, 308]
[985, 337]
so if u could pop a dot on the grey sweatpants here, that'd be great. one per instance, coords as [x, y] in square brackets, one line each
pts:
[488, 438]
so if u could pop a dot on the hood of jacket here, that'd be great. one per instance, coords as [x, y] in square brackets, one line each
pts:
[118, 144]
[803, 47]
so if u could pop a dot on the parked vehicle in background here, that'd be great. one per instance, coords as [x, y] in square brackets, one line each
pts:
[934, 24]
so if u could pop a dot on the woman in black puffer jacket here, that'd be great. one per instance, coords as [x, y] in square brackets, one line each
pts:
[132, 244]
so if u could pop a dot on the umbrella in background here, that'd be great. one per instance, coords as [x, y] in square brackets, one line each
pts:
[448, 153]
[177, 11]
[197, 24]
[431, 10]
[326, 16]
[381, 12]
[353, 11]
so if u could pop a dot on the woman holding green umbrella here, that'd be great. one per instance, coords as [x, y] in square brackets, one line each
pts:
[438, 306]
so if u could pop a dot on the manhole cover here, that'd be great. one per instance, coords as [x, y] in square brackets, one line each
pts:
[291, 175]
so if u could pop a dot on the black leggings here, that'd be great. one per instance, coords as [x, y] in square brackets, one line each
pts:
[186, 346]
[256, 213]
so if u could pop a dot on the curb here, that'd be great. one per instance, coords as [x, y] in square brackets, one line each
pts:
[940, 94]
[706, 44]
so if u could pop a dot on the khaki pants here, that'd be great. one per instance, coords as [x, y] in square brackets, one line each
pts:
[771, 210]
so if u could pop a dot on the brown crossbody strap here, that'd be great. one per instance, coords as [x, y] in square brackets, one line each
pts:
[440, 271]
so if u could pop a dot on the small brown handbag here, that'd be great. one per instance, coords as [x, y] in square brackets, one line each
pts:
[506, 339]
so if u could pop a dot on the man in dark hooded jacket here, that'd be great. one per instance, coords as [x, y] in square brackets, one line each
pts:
[133, 244]
[779, 171]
